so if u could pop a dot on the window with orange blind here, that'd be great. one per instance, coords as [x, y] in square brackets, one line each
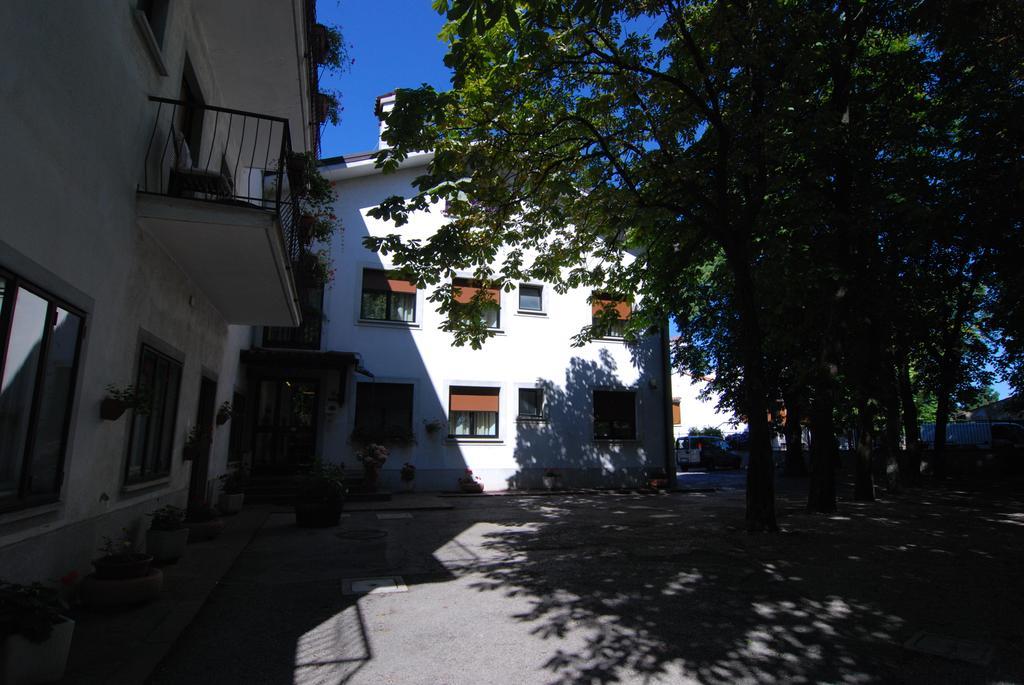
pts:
[473, 412]
[605, 305]
[467, 290]
[387, 297]
[614, 415]
[677, 412]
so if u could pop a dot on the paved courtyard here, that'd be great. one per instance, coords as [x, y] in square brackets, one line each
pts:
[624, 589]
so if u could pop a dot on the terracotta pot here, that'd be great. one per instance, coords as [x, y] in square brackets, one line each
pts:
[166, 546]
[100, 594]
[26, 662]
[122, 566]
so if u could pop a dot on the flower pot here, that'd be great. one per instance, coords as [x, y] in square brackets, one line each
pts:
[317, 514]
[200, 531]
[318, 43]
[105, 594]
[122, 566]
[111, 409]
[26, 662]
[166, 546]
[231, 503]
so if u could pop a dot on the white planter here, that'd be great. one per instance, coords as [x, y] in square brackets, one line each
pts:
[26, 663]
[231, 504]
[166, 545]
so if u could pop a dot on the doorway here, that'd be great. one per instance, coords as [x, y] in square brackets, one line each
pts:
[199, 479]
[285, 425]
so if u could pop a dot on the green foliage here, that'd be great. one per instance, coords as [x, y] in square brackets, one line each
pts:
[167, 518]
[29, 610]
[322, 482]
[708, 430]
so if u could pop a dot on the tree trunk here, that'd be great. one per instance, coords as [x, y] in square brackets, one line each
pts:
[891, 408]
[760, 466]
[821, 494]
[794, 436]
[910, 470]
[864, 480]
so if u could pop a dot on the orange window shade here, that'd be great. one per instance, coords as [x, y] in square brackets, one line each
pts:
[382, 280]
[677, 413]
[473, 399]
[621, 308]
[468, 289]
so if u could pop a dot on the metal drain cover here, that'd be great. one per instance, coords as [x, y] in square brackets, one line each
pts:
[361, 534]
[373, 586]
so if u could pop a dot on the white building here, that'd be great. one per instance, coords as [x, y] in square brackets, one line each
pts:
[137, 248]
[691, 412]
[526, 402]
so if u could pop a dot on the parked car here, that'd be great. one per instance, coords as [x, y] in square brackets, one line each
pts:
[708, 451]
[738, 441]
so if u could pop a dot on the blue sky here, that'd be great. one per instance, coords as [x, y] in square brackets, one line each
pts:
[394, 44]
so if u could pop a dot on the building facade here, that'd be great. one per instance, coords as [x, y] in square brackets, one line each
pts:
[144, 235]
[381, 370]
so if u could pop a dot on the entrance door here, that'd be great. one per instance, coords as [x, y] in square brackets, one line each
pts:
[285, 425]
[198, 481]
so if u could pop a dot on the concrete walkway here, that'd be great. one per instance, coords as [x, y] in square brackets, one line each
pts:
[607, 588]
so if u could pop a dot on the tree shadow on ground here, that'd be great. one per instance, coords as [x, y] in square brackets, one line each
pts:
[684, 593]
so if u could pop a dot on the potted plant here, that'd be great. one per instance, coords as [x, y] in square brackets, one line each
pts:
[203, 522]
[433, 427]
[320, 496]
[328, 108]
[470, 483]
[372, 457]
[123, 576]
[121, 399]
[552, 480]
[34, 633]
[167, 534]
[408, 476]
[224, 413]
[232, 492]
[120, 561]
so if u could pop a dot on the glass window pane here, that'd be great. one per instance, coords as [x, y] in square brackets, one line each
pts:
[486, 423]
[530, 298]
[18, 386]
[529, 402]
[58, 379]
[490, 317]
[403, 307]
[459, 424]
[375, 306]
[170, 415]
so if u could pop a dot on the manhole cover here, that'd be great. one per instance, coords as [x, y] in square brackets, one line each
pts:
[373, 586]
[367, 534]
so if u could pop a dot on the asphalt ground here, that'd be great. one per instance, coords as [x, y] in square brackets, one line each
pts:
[610, 588]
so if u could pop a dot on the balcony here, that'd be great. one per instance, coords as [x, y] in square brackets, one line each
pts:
[214, 194]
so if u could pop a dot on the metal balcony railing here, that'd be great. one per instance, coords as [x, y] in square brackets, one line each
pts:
[222, 155]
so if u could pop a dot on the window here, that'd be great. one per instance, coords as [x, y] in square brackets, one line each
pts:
[531, 404]
[152, 439]
[473, 412]
[677, 413]
[530, 298]
[468, 288]
[39, 342]
[386, 297]
[383, 412]
[614, 415]
[609, 314]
